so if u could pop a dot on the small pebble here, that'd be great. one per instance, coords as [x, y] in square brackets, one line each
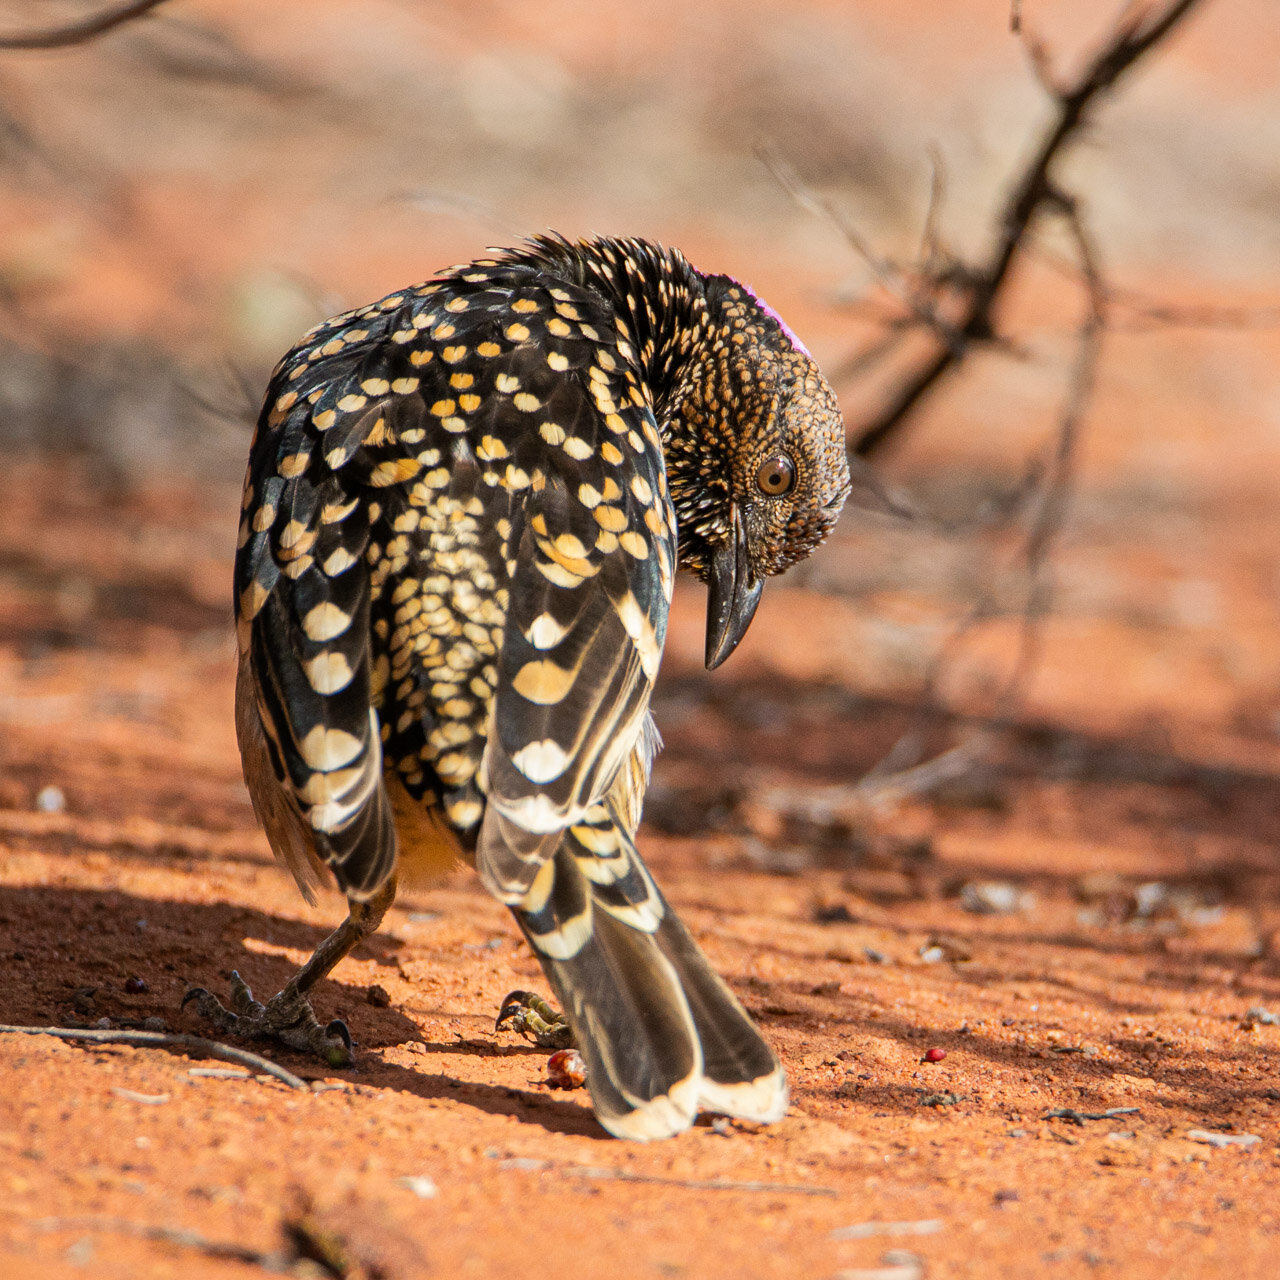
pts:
[135, 986]
[935, 1055]
[420, 1185]
[378, 996]
[50, 800]
[994, 898]
[80, 1254]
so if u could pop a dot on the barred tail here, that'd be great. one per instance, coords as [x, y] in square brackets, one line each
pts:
[661, 1034]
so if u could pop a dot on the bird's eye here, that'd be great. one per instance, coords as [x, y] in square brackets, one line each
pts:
[776, 476]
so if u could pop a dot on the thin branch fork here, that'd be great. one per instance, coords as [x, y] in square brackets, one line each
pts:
[900, 774]
[912, 293]
[80, 32]
[1061, 466]
[1135, 310]
[1133, 38]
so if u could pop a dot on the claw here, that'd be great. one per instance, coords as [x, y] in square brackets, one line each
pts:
[338, 1055]
[531, 1016]
[288, 1019]
[210, 1008]
[242, 998]
[515, 1003]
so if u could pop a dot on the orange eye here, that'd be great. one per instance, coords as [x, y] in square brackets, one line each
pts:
[776, 476]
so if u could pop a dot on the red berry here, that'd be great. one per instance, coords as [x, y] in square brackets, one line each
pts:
[566, 1070]
[935, 1055]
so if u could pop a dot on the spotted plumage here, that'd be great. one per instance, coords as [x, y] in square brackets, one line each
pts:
[464, 511]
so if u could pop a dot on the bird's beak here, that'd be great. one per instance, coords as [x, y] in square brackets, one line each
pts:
[732, 595]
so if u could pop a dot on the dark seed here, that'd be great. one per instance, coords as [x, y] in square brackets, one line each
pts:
[135, 986]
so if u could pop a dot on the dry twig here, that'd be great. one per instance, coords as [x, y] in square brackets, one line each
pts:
[697, 1184]
[166, 1040]
[1079, 1117]
[913, 292]
[1046, 486]
[1033, 192]
[899, 775]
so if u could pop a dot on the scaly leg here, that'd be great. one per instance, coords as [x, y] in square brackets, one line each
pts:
[288, 1016]
[534, 1018]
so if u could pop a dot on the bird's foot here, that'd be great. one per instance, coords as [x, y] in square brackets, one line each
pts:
[535, 1019]
[288, 1018]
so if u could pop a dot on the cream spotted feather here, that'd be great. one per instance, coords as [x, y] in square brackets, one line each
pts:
[456, 559]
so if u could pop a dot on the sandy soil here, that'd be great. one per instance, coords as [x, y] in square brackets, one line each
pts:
[849, 936]
[1089, 923]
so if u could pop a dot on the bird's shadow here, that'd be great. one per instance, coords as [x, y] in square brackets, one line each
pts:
[71, 957]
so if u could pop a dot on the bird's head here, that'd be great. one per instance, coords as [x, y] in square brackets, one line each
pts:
[756, 460]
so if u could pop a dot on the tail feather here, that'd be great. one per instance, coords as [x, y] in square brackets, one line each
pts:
[660, 1032]
[741, 1076]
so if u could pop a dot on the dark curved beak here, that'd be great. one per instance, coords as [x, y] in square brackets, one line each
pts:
[732, 595]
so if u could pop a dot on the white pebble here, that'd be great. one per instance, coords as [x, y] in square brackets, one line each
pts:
[50, 800]
[421, 1186]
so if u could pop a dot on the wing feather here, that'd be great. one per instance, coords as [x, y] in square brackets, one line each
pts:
[585, 626]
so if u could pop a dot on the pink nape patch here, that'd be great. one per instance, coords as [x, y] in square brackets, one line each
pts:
[778, 320]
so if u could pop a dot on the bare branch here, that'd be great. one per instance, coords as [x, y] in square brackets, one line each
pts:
[863, 361]
[887, 274]
[83, 31]
[888, 785]
[1146, 310]
[1061, 468]
[899, 774]
[1034, 189]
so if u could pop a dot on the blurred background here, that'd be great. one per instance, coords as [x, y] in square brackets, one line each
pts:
[181, 197]
[994, 772]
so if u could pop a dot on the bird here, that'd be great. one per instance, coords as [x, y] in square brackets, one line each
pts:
[465, 507]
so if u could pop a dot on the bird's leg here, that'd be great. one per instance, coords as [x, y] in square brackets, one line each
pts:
[536, 1020]
[288, 1016]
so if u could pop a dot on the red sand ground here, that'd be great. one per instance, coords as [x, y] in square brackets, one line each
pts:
[116, 689]
[1145, 751]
